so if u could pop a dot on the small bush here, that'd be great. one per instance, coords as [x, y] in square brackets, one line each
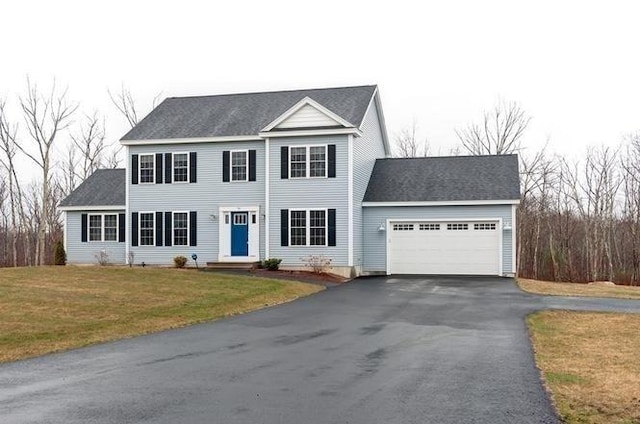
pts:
[59, 256]
[272, 264]
[179, 261]
[102, 257]
[319, 264]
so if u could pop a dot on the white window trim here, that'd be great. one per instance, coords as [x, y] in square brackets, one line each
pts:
[153, 229]
[246, 165]
[102, 227]
[173, 228]
[153, 173]
[308, 227]
[173, 168]
[307, 169]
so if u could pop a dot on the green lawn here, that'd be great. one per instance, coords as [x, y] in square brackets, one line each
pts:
[47, 309]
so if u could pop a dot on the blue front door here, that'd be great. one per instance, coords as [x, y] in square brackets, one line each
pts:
[239, 234]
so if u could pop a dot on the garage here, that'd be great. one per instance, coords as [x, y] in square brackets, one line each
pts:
[447, 215]
[447, 247]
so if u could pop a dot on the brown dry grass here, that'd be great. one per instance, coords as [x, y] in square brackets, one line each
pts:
[576, 289]
[590, 364]
[47, 309]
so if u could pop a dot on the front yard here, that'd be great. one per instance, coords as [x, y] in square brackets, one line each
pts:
[576, 289]
[47, 309]
[590, 364]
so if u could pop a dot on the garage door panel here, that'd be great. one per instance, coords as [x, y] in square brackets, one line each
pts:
[432, 248]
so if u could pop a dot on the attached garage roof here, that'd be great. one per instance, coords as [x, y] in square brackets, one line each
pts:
[105, 187]
[243, 114]
[450, 178]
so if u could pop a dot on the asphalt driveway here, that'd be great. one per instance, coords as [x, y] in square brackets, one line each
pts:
[377, 350]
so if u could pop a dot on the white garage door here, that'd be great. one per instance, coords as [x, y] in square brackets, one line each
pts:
[444, 248]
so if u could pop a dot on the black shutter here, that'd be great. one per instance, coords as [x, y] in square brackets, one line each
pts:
[193, 167]
[284, 163]
[193, 228]
[331, 162]
[83, 228]
[121, 227]
[284, 227]
[134, 228]
[134, 169]
[252, 165]
[331, 220]
[158, 168]
[168, 167]
[225, 166]
[158, 228]
[168, 230]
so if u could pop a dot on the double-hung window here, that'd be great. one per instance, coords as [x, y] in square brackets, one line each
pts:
[239, 165]
[308, 227]
[103, 227]
[180, 167]
[147, 226]
[180, 228]
[308, 161]
[95, 227]
[147, 168]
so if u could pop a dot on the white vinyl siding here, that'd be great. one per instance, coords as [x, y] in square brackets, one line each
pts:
[307, 117]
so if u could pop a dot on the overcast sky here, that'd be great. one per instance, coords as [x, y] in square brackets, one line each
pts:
[574, 66]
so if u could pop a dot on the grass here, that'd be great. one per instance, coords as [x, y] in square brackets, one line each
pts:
[575, 289]
[48, 309]
[590, 364]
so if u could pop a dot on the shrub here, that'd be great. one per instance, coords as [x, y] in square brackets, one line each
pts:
[102, 257]
[59, 255]
[319, 264]
[272, 264]
[179, 261]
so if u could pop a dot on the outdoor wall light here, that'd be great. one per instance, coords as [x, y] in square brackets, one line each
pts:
[213, 217]
[381, 227]
[507, 228]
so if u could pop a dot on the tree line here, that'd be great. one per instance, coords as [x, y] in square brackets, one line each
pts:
[62, 147]
[577, 221]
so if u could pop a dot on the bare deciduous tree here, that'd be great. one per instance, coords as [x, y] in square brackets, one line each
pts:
[408, 145]
[499, 133]
[45, 117]
[90, 142]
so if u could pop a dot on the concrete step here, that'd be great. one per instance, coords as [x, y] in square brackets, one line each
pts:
[232, 265]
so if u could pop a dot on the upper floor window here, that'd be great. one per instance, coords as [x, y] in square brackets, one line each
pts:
[147, 168]
[180, 167]
[239, 165]
[103, 227]
[308, 161]
[147, 226]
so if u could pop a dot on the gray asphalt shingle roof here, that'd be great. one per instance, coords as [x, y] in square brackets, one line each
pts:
[243, 114]
[105, 187]
[450, 178]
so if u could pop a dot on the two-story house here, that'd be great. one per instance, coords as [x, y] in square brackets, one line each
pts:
[288, 174]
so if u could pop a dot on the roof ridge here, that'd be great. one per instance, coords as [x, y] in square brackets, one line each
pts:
[272, 92]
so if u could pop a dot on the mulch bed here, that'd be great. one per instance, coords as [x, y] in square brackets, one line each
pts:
[304, 276]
